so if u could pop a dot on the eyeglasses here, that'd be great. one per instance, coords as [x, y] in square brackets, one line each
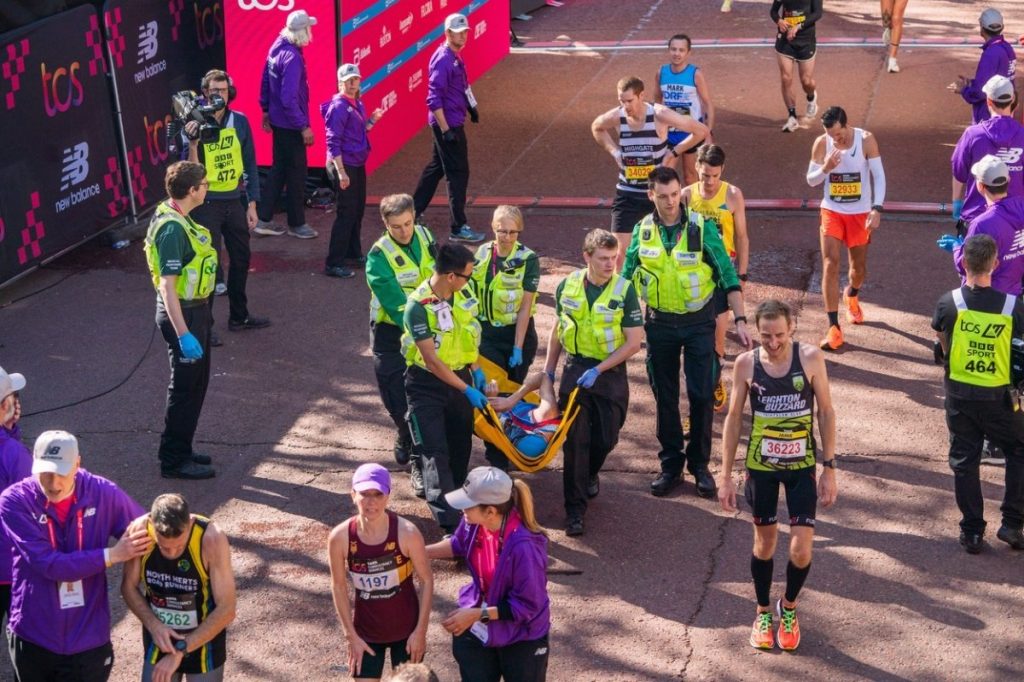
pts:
[461, 276]
[506, 233]
[204, 183]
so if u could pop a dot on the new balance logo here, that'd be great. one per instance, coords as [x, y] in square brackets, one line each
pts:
[1018, 242]
[1010, 155]
[147, 41]
[53, 450]
[76, 165]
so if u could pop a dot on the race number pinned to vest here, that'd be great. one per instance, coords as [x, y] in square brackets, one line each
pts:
[637, 170]
[844, 188]
[176, 611]
[72, 594]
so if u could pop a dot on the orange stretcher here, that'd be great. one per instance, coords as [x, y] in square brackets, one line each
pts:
[487, 425]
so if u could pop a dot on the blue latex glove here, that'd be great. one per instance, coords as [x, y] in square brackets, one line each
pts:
[517, 357]
[948, 242]
[958, 207]
[551, 375]
[475, 398]
[589, 377]
[479, 379]
[190, 346]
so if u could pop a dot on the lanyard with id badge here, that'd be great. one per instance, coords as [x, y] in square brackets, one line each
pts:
[71, 594]
[443, 312]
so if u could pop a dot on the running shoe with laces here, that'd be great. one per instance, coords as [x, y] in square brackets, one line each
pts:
[791, 125]
[833, 339]
[892, 66]
[812, 106]
[721, 396]
[853, 310]
[761, 636]
[789, 627]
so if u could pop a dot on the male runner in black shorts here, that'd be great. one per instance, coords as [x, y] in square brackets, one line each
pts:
[784, 380]
[796, 42]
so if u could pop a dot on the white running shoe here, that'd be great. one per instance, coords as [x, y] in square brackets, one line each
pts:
[893, 66]
[726, 5]
[812, 106]
[791, 125]
[887, 37]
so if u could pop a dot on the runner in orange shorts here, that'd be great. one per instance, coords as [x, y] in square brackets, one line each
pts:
[847, 161]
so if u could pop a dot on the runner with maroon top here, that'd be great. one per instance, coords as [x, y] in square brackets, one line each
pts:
[380, 551]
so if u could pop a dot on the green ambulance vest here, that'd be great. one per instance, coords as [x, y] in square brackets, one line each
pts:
[501, 299]
[591, 331]
[409, 274]
[223, 159]
[676, 281]
[196, 280]
[979, 352]
[456, 347]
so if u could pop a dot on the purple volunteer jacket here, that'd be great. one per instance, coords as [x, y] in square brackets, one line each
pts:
[999, 135]
[15, 464]
[1004, 222]
[997, 59]
[284, 91]
[446, 87]
[519, 586]
[39, 568]
[346, 130]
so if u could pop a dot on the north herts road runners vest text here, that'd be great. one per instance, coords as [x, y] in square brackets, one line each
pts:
[782, 432]
[386, 604]
[196, 280]
[501, 291]
[223, 158]
[676, 281]
[847, 186]
[457, 339]
[716, 209]
[979, 352]
[409, 274]
[642, 150]
[591, 331]
[178, 591]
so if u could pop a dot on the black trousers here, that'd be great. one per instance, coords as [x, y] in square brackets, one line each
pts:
[595, 432]
[969, 421]
[225, 219]
[289, 170]
[519, 662]
[441, 425]
[187, 389]
[33, 663]
[696, 343]
[389, 367]
[449, 160]
[496, 344]
[346, 241]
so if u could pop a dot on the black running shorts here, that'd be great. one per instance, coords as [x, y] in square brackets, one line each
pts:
[800, 50]
[762, 494]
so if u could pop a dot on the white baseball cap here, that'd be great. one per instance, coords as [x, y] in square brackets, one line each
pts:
[991, 20]
[999, 89]
[346, 71]
[10, 383]
[991, 171]
[300, 19]
[55, 452]
[456, 23]
[484, 485]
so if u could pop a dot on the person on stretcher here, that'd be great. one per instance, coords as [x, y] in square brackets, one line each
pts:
[529, 427]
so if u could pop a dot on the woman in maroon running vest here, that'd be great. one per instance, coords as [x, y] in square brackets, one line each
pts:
[379, 552]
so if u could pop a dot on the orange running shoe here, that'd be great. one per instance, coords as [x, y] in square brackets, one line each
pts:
[853, 311]
[789, 627]
[721, 396]
[761, 634]
[833, 339]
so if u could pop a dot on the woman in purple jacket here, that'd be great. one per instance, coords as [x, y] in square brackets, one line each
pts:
[348, 147]
[500, 630]
[15, 464]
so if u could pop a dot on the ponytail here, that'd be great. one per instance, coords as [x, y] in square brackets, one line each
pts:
[522, 500]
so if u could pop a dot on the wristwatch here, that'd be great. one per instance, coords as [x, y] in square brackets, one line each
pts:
[181, 646]
[672, 149]
[485, 617]
[829, 463]
[877, 208]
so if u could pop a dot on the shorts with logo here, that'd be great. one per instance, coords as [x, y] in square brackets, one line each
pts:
[851, 229]
[799, 50]
[627, 210]
[762, 494]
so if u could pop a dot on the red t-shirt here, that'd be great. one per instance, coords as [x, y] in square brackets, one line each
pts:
[63, 508]
[484, 554]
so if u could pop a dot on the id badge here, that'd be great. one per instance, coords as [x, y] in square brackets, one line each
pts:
[469, 97]
[72, 595]
[444, 317]
[479, 631]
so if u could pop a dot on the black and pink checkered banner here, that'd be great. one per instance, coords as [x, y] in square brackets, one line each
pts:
[61, 168]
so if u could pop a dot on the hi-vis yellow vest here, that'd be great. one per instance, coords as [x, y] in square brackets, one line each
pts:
[409, 274]
[196, 280]
[501, 299]
[591, 331]
[223, 159]
[676, 281]
[979, 348]
[457, 347]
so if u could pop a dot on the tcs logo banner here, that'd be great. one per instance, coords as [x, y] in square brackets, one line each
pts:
[283, 5]
[62, 88]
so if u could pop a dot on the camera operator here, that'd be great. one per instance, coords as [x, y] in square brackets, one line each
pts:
[223, 144]
[976, 326]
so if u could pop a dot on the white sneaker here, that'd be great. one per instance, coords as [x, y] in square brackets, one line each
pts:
[268, 229]
[893, 66]
[726, 5]
[812, 106]
[887, 36]
[791, 125]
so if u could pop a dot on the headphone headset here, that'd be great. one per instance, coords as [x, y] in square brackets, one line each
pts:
[219, 74]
